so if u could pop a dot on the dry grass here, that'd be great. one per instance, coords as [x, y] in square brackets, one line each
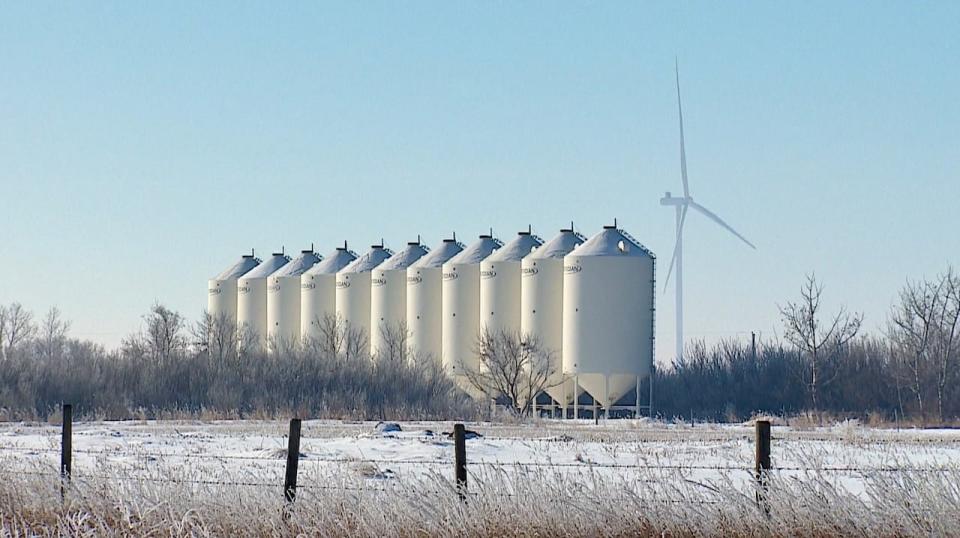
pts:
[502, 502]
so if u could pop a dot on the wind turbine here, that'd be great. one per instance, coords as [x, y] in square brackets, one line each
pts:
[682, 203]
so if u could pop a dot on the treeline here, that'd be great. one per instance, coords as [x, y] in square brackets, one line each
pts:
[911, 370]
[171, 369]
[823, 365]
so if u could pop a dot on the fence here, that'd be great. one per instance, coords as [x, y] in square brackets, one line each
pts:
[290, 486]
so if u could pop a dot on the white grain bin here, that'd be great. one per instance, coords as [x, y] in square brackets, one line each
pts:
[252, 301]
[460, 299]
[388, 299]
[541, 304]
[608, 307]
[353, 291]
[500, 285]
[283, 301]
[222, 290]
[424, 304]
[318, 292]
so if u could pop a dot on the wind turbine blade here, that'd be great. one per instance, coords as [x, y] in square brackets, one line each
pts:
[676, 248]
[683, 149]
[712, 216]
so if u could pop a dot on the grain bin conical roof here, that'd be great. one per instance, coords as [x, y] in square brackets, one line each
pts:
[559, 246]
[334, 262]
[413, 252]
[372, 258]
[612, 241]
[237, 270]
[520, 247]
[270, 266]
[478, 251]
[299, 265]
[440, 255]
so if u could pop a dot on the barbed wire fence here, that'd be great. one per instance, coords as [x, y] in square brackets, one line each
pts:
[65, 475]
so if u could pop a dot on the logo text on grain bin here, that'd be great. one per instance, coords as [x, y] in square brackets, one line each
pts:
[414, 280]
[343, 284]
[529, 271]
[377, 282]
[308, 286]
[488, 273]
[572, 268]
[215, 291]
[450, 276]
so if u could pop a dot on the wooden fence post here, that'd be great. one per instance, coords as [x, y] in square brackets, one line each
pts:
[293, 460]
[66, 447]
[460, 457]
[762, 462]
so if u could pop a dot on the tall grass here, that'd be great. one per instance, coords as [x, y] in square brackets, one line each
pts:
[505, 501]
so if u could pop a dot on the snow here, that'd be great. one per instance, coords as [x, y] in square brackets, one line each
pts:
[478, 251]
[238, 269]
[559, 246]
[268, 267]
[368, 261]
[517, 249]
[613, 449]
[299, 265]
[608, 242]
[439, 256]
[405, 258]
[333, 263]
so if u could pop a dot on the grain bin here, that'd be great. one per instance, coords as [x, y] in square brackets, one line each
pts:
[222, 290]
[283, 301]
[424, 303]
[388, 300]
[500, 285]
[318, 292]
[541, 305]
[252, 302]
[608, 305]
[460, 299]
[353, 292]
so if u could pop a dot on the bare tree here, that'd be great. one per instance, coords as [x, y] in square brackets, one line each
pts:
[820, 341]
[924, 333]
[515, 366]
[338, 338]
[393, 342]
[216, 335]
[164, 335]
[16, 327]
[52, 334]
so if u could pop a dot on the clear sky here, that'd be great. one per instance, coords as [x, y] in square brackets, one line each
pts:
[145, 146]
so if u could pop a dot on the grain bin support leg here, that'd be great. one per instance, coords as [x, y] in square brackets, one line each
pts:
[576, 400]
[606, 398]
[636, 410]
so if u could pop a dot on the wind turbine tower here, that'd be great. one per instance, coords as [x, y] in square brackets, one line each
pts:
[681, 204]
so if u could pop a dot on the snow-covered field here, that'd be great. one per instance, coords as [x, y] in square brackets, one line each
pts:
[632, 476]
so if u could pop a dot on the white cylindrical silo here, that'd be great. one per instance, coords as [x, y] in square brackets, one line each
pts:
[318, 303]
[353, 292]
[460, 300]
[388, 301]
[500, 286]
[424, 303]
[252, 302]
[222, 290]
[608, 304]
[541, 305]
[283, 301]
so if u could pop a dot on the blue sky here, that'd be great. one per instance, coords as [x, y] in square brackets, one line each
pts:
[143, 147]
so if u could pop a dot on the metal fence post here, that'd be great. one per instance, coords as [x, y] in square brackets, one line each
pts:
[762, 462]
[460, 457]
[66, 448]
[293, 459]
